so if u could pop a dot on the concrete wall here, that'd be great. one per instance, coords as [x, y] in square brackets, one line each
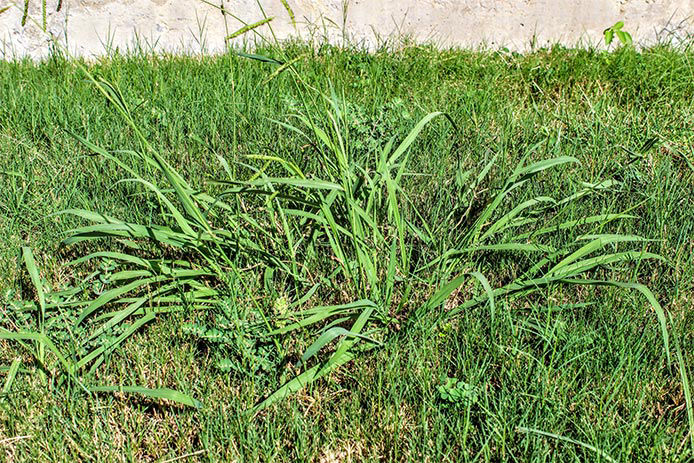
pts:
[92, 26]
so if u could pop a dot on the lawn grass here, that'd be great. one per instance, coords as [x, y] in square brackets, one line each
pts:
[580, 362]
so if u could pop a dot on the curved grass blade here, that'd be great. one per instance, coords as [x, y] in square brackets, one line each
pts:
[301, 381]
[42, 339]
[580, 267]
[446, 290]
[115, 293]
[643, 289]
[96, 354]
[570, 224]
[488, 289]
[33, 270]
[413, 135]
[597, 451]
[597, 243]
[342, 355]
[30, 263]
[320, 313]
[182, 222]
[297, 182]
[256, 57]
[524, 173]
[686, 388]
[503, 222]
[329, 336]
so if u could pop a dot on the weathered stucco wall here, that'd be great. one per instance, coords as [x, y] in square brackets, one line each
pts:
[92, 26]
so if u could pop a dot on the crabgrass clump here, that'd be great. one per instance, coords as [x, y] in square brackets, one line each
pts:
[469, 244]
[351, 220]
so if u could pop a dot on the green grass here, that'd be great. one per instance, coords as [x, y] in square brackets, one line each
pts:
[568, 372]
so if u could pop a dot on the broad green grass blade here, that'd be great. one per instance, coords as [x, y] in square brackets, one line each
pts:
[342, 355]
[446, 290]
[11, 374]
[96, 354]
[180, 219]
[412, 136]
[535, 168]
[500, 224]
[488, 289]
[594, 245]
[301, 381]
[162, 393]
[256, 57]
[33, 270]
[298, 182]
[42, 339]
[570, 224]
[115, 293]
[120, 316]
[35, 279]
[329, 336]
[318, 314]
[583, 266]
[162, 235]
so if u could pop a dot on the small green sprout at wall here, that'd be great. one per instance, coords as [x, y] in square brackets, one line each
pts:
[623, 36]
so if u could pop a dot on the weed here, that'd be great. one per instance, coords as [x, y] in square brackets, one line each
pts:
[507, 239]
[616, 30]
[456, 393]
